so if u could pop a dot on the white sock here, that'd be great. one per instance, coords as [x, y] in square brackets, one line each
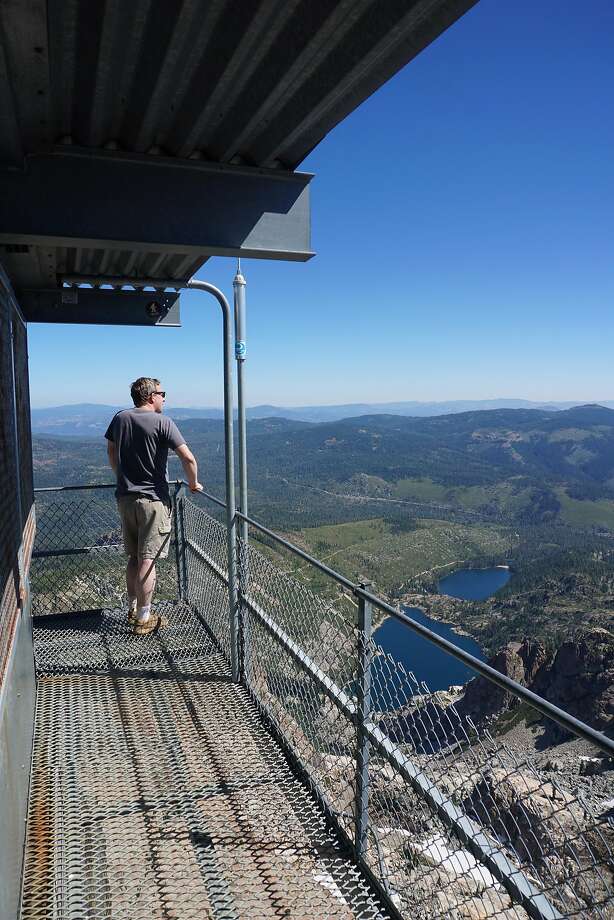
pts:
[132, 604]
[143, 613]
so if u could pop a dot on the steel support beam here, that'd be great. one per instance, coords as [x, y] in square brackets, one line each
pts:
[101, 306]
[101, 200]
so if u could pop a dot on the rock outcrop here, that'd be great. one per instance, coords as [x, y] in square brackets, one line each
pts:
[520, 661]
[578, 677]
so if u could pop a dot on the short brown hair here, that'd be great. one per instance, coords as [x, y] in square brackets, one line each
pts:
[142, 388]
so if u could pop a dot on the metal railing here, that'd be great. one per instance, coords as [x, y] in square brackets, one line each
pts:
[78, 563]
[449, 815]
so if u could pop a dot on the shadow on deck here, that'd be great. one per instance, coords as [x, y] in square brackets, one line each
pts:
[157, 791]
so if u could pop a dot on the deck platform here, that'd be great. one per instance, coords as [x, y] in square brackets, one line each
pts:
[157, 791]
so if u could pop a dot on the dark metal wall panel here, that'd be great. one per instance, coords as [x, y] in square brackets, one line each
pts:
[16, 485]
[17, 683]
[10, 524]
[17, 701]
[24, 433]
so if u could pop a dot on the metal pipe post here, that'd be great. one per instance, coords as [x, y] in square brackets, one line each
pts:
[231, 538]
[240, 355]
[178, 547]
[184, 549]
[363, 716]
[239, 285]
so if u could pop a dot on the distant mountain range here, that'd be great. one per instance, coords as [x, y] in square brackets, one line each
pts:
[529, 465]
[91, 420]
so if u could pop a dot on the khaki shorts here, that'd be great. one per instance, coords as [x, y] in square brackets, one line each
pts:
[146, 526]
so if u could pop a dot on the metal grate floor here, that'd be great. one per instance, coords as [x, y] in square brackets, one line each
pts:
[157, 792]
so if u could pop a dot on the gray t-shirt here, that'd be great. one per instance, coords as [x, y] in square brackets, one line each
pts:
[142, 439]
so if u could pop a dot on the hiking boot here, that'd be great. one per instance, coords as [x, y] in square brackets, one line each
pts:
[151, 627]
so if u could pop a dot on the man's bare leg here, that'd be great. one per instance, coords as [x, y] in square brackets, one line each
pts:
[145, 584]
[131, 578]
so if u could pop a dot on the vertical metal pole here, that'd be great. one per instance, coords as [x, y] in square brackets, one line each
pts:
[239, 285]
[231, 520]
[230, 473]
[184, 548]
[178, 542]
[365, 656]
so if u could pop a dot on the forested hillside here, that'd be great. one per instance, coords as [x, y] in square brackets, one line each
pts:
[522, 465]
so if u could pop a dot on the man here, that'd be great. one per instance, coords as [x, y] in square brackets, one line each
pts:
[137, 444]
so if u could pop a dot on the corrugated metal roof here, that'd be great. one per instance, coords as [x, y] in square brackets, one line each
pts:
[40, 266]
[255, 82]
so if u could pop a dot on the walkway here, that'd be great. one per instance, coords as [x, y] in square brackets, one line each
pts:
[157, 792]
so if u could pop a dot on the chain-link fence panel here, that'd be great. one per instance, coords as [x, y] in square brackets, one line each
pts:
[458, 796]
[460, 816]
[204, 569]
[78, 563]
[290, 635]
[327, 636]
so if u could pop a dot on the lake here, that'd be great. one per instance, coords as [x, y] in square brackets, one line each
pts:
[426, 661]
[474, 584]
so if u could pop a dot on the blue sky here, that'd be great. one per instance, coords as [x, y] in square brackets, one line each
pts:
[463, 219]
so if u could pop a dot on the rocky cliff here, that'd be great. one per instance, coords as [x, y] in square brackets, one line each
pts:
[578, 677]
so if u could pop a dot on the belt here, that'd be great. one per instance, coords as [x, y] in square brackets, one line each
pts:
[149, 498]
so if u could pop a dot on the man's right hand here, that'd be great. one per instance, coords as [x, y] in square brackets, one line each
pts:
[197, 487]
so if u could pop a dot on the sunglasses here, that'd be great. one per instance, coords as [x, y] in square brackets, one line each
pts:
[161, 393]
